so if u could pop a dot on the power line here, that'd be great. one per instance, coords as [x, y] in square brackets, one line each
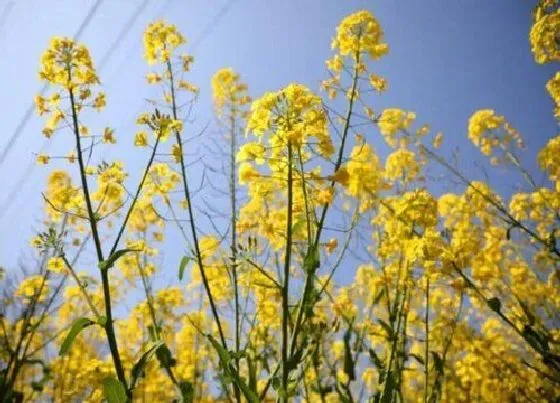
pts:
[124, 32]
[106, 57]
[6, 13]
[208, 29]
[27, 115]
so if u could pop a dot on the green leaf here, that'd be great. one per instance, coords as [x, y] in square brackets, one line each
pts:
[348, 359]
[152, 332]
[535, 339]
[102, 320]
[184, 261]
[252, 369]
[378, 297]
[165, 357]
[77, 327]
[312, 259]
[187, 391]
[378, 364]
[111, 260]
[389, 388]
[530, 317]
[387, 328]
[298, 225]
[230, 372]
[114, 391]
[138, 368]
[417, 358]
[438, 362]
[494, 304]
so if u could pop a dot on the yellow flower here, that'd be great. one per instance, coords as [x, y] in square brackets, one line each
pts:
[488, 130]
[228, 90]
[549, 160]
[160, 40]
[392, 121]
[176, 152]
[33, 286]
[247, 173]
[331, 245]
[251, 152]
[307, 119]
[438, 139]
[67, 64]
[335, 64]
[153, 78]
[553, 88]
[141, 139]
[100, 101]
[544, 37]
[56, 265]
[109, 136]
[42, 159]
[41, 105]
[36, 242]
[402, 164]
[360, 33]
[187, 86]
[378, 83]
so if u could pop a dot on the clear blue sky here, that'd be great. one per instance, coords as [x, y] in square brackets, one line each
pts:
[446, 59]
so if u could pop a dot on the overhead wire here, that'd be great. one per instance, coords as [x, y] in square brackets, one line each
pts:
[27, 115]
[207, 30]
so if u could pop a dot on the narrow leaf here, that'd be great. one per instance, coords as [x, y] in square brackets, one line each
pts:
[312, 260]
[184, 261]
[348, 359]
[77, 327]
[138, 369]
[494, 304]
[187, 391]
[389, 388]
[417, 358]
[114, 390]
[111, 260]
[438, 362]
[298, 225]
[230, 372]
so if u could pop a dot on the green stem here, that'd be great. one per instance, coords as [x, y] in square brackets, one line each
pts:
[138, 190]
[232, 189]
[191, 216]
[427, 343]
[308, 287]
[285, 288]
[109, 328]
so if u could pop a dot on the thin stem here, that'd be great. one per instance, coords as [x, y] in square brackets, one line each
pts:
[233, 196]
[138, 190]
[191, 214]
[80, 286]
[427, 343]
[285, 288]
[151, 308]
[109, 329]
[308, 287]
[509, 219]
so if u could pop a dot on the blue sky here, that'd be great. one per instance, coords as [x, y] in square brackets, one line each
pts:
[446, 59]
